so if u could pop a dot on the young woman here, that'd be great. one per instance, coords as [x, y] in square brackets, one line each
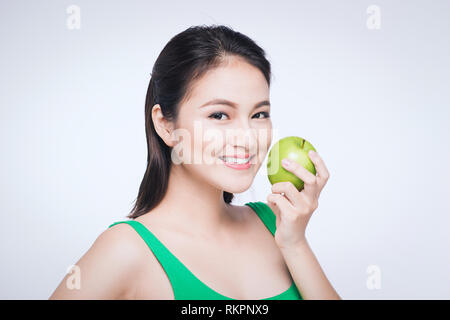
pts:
[208, 127]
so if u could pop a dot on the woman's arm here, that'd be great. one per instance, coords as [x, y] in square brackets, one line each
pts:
[106, 271]
[307, 273]
[293, 210]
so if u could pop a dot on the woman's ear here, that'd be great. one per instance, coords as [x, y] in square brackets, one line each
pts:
[162, 126]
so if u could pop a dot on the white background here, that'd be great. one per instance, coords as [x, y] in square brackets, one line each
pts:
[374, 103]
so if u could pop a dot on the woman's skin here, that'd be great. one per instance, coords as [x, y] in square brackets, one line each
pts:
[195, 193]
[193, 210]
[226, 246]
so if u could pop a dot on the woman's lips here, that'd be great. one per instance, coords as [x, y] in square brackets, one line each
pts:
[238, 166]
[239, 156]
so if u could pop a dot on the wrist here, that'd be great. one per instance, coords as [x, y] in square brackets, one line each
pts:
[302, 243]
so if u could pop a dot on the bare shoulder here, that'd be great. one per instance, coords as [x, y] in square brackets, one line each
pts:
[107, 270]
[122, 243]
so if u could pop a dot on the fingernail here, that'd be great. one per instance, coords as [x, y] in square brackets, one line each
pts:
[285, 162]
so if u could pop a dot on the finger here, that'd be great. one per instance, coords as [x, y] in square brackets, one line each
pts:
[289, 191]
[297, 169]
[322, 171]
[275, 210]
[281, 203]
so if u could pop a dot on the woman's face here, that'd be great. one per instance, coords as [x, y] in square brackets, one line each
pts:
[207, 131]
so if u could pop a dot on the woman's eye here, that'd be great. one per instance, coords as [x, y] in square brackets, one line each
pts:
[217, 115]
[266, 114]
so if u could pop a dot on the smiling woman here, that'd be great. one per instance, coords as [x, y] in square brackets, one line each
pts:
[217, 80]
[197, 58]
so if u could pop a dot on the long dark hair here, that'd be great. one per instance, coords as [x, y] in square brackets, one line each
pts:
[185, 58]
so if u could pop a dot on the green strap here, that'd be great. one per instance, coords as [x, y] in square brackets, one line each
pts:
[266, 214]
[184, 283]
[165, 258]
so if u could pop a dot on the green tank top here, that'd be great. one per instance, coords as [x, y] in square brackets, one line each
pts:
[185, 285]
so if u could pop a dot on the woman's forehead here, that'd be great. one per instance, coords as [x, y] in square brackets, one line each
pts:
[243, 85]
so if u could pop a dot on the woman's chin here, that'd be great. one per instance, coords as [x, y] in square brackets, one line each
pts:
[234, 188]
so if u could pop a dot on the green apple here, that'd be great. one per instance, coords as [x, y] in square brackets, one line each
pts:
[295, 149]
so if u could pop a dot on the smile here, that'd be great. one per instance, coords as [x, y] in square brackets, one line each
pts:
[237, 163]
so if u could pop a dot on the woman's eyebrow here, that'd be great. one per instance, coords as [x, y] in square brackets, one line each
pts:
[233, 104]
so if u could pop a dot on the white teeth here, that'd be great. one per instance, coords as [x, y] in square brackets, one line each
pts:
[236, 160]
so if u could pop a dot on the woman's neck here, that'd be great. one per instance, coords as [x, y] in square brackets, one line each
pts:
[196, 205]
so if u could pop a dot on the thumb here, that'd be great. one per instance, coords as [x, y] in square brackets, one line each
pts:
[275, 209]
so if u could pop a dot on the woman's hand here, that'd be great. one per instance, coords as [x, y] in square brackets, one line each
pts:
[294, 208]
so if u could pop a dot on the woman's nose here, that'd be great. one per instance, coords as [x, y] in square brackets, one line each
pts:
[242, 136]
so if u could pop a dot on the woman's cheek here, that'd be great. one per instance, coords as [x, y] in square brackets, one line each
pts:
[212, 149]
[264, 141]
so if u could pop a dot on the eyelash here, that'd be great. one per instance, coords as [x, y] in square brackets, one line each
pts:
[216, 113]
